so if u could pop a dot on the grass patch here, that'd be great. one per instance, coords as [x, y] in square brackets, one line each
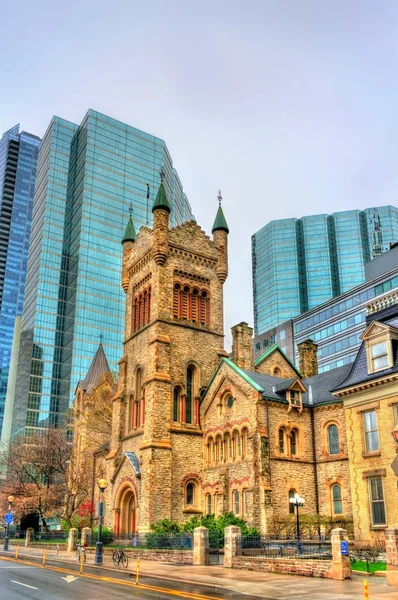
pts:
[360, 565]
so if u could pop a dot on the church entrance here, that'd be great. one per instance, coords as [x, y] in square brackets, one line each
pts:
[128, 513]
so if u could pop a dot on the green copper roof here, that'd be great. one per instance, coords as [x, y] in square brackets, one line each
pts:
[270, 351]
[161, 199]
[220, 222]
[129, 234]
[237, 370]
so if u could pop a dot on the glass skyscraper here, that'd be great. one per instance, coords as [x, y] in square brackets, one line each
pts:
[298, 264]
[18, 162]
[88, 175]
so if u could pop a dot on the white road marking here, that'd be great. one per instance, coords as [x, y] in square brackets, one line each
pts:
[69, 578]
[24, 584]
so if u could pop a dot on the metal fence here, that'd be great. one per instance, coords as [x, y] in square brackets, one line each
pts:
[266, 546]
[158, 541]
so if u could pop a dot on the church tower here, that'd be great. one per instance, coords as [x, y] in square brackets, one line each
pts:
[173, 279]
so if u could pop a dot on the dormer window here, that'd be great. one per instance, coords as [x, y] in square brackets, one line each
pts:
[295, 397]
[379, 356]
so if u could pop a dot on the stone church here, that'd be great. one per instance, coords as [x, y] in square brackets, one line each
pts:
[195, 430]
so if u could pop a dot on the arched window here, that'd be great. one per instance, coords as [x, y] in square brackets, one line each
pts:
[291, 506]
[236, 444]
[337, 500]
[333, 439]
[177, 306]
[211, 450]
[220, 446]
[130, 413]
[244, 503]
[190, 494]
[236, 501]
[204, 312]
[209, 504]
[195, 305]
[244, 442]
[176, 403]
[185, 302]
[226, 446]
[293, 442]
[138, 395]
[281, 437]
[69, 436]
[189, 397]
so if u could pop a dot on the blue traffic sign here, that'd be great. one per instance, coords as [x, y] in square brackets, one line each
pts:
[344, 548]
[8, 518]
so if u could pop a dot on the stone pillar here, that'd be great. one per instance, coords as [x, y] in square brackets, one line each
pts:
[231, 544]
[29, 535]
[391, 535]
[72, 539]
[341, 567]
[201, 546]
[86, 536]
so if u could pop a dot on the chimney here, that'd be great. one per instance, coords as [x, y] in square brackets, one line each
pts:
[308, 360]
[242, 346]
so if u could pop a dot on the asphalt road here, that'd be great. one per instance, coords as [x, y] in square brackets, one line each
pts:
[26, 582]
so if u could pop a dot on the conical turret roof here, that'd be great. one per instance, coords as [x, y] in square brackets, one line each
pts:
[98, 368]
[220, 223]
[129, 234]
[161, 199]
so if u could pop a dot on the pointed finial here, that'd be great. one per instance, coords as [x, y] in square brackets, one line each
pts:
[219, 197]
[162, 175]
[131, 209]
[101, 337]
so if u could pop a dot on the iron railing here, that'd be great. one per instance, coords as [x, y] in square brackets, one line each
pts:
[157, 541]
[263, 546]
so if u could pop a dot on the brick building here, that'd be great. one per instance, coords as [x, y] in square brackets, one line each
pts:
[194, 431]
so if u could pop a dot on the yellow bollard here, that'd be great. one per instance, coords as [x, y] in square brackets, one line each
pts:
[16, 552]
[137, 574]
[365, 590]
[44, 557]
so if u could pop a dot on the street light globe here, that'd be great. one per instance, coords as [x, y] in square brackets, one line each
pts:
[10, 499]
[301, 500]
[292, 500]
[395, 433]
[102, 484]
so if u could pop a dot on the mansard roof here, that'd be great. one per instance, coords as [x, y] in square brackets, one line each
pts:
[98, 368]
[358, 372]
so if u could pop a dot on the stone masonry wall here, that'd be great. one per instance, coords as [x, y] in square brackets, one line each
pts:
[307, 568]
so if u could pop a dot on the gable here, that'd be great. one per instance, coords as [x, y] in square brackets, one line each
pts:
[376, 329]
[275, 363]
[191, 237]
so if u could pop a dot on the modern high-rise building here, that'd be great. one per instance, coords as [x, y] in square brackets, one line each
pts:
[300, 263]
[88, 176]
[18, 162]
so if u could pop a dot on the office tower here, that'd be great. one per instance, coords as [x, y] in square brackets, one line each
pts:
[88, 175]
[300, 263]
[336, 325]
[18, 161]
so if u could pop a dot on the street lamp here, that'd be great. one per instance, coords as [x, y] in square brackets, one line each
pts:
[10, 501]
[102, 484]
[297, 501]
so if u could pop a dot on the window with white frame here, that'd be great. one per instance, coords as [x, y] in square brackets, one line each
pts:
[295, 397]
[376, 499]
[236, 501]
[337, 500]
[379, 354]
[371, 433]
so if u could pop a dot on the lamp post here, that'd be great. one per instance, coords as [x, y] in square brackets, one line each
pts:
[10, 501]
[394, 433]
[297, 501]
[102, 484]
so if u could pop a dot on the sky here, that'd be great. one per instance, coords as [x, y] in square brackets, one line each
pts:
[288, 106]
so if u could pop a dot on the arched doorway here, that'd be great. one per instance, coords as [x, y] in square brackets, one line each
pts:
[127, 512]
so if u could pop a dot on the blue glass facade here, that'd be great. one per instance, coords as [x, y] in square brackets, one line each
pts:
[298, 264]
[18, 162]
[87, 177]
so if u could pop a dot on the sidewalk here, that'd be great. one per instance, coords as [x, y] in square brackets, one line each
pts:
[272, 585]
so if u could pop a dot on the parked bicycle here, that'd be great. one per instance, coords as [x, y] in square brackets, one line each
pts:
[80, 553]
[119, 556]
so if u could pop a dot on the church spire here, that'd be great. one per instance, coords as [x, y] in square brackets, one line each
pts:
[129, 234]
[161, 200]
[220, 223]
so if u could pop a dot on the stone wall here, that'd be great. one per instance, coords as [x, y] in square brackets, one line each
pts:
[307, 568]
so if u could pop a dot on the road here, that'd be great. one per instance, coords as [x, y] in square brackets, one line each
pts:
[20, 581]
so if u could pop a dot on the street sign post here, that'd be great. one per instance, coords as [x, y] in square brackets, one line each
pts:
[8, 518]
[344, 548]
